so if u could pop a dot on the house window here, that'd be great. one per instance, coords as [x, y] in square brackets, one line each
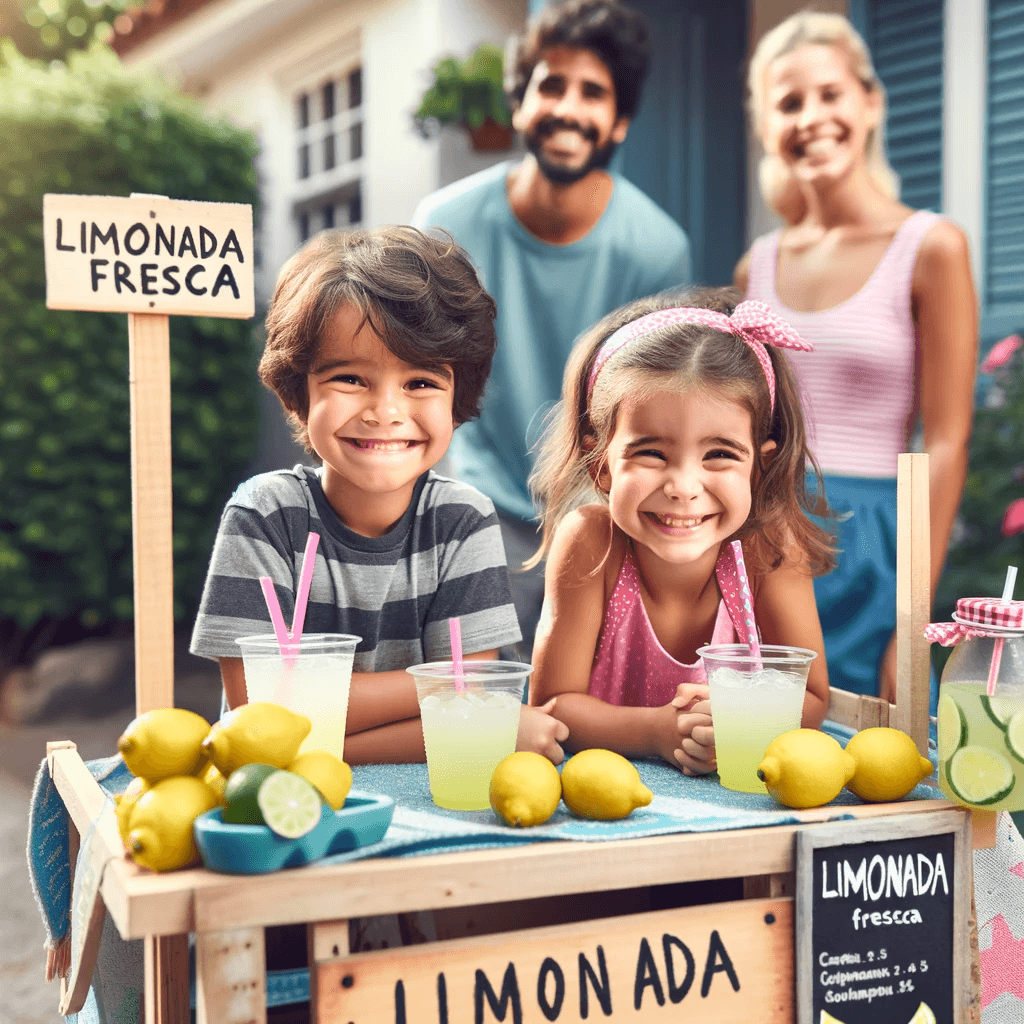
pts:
[329, 147]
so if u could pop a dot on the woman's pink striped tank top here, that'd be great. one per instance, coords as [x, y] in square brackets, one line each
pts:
[857, 386]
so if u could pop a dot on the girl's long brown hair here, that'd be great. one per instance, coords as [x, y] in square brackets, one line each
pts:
[686, 357]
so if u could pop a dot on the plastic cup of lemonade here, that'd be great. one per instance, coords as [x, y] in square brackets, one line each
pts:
[753, 700]
[311, 677]
[468, 732]
[981, 737]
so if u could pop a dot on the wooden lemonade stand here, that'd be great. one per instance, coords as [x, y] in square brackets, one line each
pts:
[756, 959]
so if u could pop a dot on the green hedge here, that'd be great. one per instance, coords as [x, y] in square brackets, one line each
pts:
[65, 498]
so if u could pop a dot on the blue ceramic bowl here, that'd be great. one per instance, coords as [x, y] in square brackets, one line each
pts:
[255, 849]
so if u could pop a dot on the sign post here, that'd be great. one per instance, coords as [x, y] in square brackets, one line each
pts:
[150, 257]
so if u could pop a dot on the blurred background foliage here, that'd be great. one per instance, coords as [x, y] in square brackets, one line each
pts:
[988, 537]
[53, 29]
[90, 127]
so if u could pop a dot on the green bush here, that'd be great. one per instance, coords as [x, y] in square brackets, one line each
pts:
[65, 474]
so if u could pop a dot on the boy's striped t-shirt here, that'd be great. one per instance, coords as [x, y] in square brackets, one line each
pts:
[443, 558]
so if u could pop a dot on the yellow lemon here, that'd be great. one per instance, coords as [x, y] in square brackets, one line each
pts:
[888, 764]
[160, 837]
[126, 802]
[525, 789]
[215, 781]
[164, 742]
[264, 732]
[923, 1015]
[601, 784]
[805, 768]
[331, 776]
[827, 1018]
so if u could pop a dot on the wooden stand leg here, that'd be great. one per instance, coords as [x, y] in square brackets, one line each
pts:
[983, 829]
[327, 942]
[166, 972]
[231, 977]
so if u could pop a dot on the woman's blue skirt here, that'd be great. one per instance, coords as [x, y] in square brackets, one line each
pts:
[857, 600]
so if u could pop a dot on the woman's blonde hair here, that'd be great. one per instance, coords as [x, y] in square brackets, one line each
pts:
[801, 29]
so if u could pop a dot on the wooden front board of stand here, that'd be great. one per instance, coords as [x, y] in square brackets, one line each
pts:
[150, 257]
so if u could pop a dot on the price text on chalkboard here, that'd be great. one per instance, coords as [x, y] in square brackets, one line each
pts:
[881, 947]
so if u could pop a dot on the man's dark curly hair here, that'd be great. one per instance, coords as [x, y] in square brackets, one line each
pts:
[615, 33]
[419, 293]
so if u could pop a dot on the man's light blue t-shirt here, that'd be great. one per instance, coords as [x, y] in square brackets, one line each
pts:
[547, 295]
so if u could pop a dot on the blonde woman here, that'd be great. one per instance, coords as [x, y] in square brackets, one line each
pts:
[884, 294]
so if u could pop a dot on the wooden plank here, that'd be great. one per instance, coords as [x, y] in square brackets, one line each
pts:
[149, 369]
[82, 796]
[722, 962]
[148, 254]
[326, 943]
[983, 829]
[167, 979]
[913, 597]
[858, 710]
[231, 977]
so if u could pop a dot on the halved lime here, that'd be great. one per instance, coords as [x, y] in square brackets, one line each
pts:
[979, 776]
[952, 731]
[241, 793]
[1015, 735]
[289, 804]
[999, 709]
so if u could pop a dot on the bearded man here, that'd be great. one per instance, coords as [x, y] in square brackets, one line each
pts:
[558, 240]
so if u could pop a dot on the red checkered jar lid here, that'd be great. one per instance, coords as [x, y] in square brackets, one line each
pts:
[990, 611]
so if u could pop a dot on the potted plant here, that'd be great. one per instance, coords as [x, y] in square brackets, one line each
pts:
[470, 93]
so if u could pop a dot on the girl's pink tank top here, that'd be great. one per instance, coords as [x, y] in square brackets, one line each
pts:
[631, 667]
[857, 386]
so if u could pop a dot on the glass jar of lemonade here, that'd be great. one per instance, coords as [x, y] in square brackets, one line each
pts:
[981, 728]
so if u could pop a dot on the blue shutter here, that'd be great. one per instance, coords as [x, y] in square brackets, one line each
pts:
[905, 39]
[1004, 214]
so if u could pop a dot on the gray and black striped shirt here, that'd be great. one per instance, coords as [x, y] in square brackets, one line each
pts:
[444, 557]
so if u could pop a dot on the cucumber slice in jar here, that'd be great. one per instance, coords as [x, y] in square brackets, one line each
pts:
[952, 728]
[979, 776]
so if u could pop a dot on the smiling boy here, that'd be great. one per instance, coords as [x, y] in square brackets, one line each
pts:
[378, 345]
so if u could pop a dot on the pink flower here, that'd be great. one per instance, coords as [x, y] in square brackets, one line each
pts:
[1001, 353]
[1013, 520]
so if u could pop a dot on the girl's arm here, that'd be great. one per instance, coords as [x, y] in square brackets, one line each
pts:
[566, 641]
[788, 614]
[947, 325]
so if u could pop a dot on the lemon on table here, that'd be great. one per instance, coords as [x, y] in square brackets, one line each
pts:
[888, 764]
[805, 768]
[525, 789]
[601, 784]
[331, 776]
[126, 802]
[160, 837]
[923, 1015]
[264, 732]
[979, 776]
[214, 780]
[164, 742]
[241, 789]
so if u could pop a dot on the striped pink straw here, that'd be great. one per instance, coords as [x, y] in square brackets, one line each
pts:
[289, 641]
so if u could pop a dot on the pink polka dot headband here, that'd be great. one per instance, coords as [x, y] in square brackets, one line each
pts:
[752, 322]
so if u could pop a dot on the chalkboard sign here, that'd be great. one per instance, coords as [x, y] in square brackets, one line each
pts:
[882, 921]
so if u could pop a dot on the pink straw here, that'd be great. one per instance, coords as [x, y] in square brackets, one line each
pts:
[455, 632]
[747, 598]
[997, 647]
[289, 641]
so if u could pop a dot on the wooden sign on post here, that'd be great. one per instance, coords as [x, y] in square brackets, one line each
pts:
[150, 257]
[882, 921]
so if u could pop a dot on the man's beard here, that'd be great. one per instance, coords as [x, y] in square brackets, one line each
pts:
[558, 174]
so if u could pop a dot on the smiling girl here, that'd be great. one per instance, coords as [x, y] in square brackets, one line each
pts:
[680, 424]
[884, 294]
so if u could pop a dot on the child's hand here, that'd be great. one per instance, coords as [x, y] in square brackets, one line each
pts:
[696, 753]
[541, 732]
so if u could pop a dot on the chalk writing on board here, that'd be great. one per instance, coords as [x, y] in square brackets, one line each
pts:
[882, 931]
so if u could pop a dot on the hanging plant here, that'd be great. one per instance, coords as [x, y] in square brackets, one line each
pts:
[469, 94]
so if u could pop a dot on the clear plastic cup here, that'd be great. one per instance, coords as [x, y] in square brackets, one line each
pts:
[753, 700]
[467, 734]
[312, 678]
